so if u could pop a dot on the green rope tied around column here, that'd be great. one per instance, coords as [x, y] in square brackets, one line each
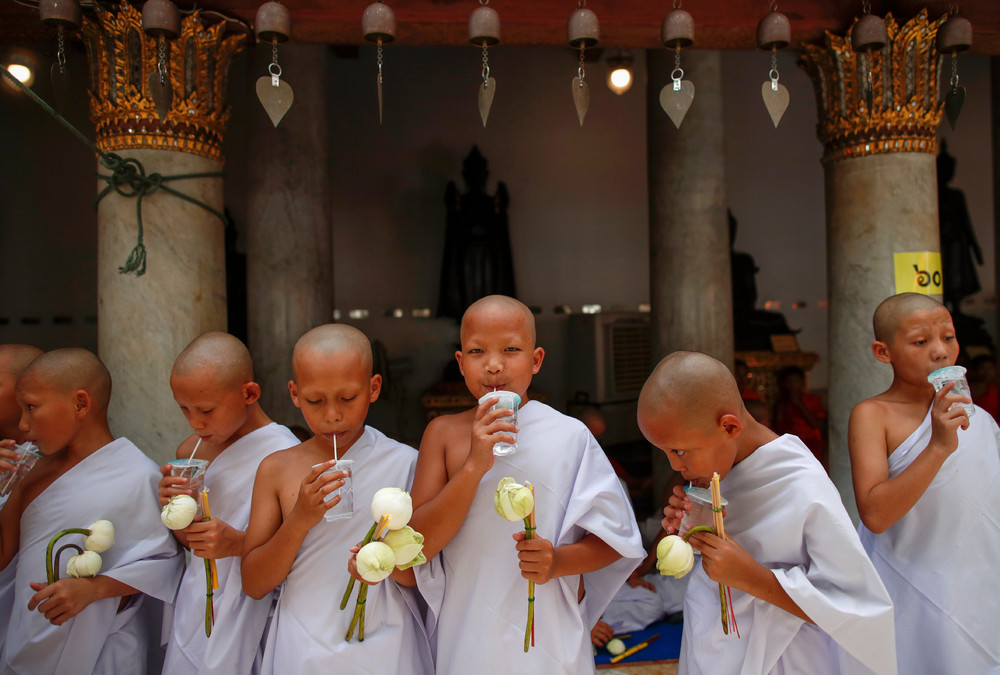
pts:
[127, 178]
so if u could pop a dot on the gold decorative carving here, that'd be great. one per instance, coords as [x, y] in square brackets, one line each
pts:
[906, 101]
[121, 58]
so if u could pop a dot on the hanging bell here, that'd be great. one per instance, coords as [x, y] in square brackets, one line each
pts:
[869, 34]
[484, 26]
[955, 35]
[583, 29]
[160, 17]
[272, 23]
[678, 29]
[774, 31]
[65, 13]
[378, 23]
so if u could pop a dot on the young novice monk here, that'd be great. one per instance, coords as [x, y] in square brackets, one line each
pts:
[289, 540]
[88, 624]
[212, 381]
[926, 481]
[586, 539]
[805, 595]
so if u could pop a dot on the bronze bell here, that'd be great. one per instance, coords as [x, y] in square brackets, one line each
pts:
[272, 22]
[160, 17]
[378, 23]
[583, 29]
[65, 13]
[869, 34]
[678, 29]
[774, 31]
[955, 35]
[484, 26]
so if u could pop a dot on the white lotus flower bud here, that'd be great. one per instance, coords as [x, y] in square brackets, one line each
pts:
[375, 561]
[674, 556]
[615, 646]
[406, 544]
[86, 564]
[393, 503]
[513, 501]
[179, 512]
[102, 536]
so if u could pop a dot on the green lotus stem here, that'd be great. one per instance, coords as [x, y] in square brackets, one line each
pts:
[361, 624]
[698, 528]
[50, 573]
[722, 588]
[350, 584]
[55, 566]
[359, 611]
[209, 593]
[529, 534]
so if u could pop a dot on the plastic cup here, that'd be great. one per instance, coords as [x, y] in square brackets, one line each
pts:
[701, 510]
[29, 454]
[193, 470]
[942, 376]
[507, 400]
[345, 508]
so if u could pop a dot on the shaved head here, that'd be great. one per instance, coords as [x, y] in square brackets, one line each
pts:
[889, 315]
[691, 388]
[221, 356]
[501, 307]
[70, 370]
[332, 338]
[15, 358]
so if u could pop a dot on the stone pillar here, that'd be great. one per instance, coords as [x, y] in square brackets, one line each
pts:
[147, 316]
[881, 199]
[289, 236]
[689, 273]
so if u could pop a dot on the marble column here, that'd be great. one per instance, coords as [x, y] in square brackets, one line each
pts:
[881, 199]
[289, 254]
[689, 263]
[146, 316]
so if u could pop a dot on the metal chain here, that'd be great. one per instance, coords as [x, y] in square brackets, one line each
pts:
[677, 74]
[161, 64]
[61, 50]
[954, 71]
[580, 72]
[774, 5]
[486, 66]
[866, 7]
[677, 4]
[273, 67]
[774, 69]
[379, 59]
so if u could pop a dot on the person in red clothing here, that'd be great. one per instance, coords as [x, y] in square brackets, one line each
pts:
[983, 383]
[799, 412]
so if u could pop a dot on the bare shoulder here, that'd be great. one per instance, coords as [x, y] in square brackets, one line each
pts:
[277, 468]
[445, 429]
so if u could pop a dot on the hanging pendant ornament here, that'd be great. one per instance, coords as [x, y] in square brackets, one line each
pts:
[484, 29]
[676, 97]
[774, 32]
[272, 24]
[867, 37]
[379, 26]
[64, 15]
[161, 20]
[954, 36]
[583, 30]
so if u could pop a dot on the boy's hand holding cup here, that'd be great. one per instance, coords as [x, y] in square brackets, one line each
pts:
[678, 505]
[311, 503]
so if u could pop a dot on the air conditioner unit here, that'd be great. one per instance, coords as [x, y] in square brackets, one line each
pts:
[611, 356]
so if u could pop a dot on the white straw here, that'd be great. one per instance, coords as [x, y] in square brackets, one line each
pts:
[195, 449]
[335, 447]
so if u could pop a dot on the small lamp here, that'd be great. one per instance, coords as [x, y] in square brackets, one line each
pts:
[22, 64]
[620, 72]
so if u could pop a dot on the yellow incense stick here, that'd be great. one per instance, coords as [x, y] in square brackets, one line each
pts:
[207, 515]
[720, 530]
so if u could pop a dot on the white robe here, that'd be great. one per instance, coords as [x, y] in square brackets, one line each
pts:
[239, 619]
[786, 513]
[940, 561]
[308, 628]
[116, 483]
[474, 588]
[634, 608]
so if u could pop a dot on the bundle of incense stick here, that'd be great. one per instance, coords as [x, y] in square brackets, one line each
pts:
[720, 530]
[211, 572]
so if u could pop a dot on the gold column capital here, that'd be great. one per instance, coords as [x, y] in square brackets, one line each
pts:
[906, 102]
[121, 57]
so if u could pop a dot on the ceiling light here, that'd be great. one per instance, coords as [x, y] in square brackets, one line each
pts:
[620, 72]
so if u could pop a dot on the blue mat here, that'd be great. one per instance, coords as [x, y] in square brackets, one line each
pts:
[667, 646]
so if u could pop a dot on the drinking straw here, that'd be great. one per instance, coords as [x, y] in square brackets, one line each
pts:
[335, 447]
[195, 449]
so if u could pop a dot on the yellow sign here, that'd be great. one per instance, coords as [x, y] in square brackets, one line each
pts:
[918, 272]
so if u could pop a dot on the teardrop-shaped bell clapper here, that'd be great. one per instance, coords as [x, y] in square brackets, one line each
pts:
[583, 28]
[272, 23]
[869, 34]
[160, 17]
[378, 23]
[484, 26]
[678, 29]
[774, 32]
[65, 13]
[955, 35]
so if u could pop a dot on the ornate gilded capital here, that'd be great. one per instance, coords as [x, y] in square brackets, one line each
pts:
[906, 103]
[121, 58]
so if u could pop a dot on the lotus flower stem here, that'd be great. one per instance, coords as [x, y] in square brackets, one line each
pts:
[55, 566]
[50, 573]
[529, 628]
[209, 601]
[350, 584]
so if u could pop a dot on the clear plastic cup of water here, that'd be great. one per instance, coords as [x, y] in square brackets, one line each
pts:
[27, 456]
[942, 376]
[701, 510]
[193, 470]
[507, 400]
[345, 508]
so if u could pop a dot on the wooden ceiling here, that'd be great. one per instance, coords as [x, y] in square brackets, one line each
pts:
[719, 24]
